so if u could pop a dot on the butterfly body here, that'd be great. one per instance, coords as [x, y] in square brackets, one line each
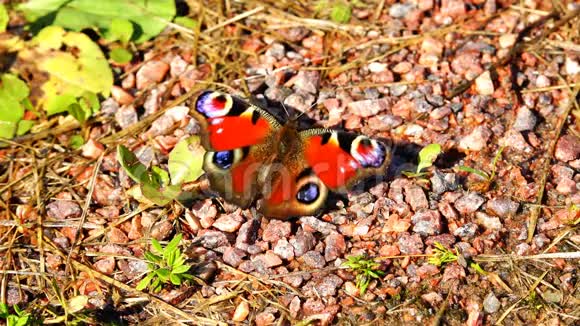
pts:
[252, 155]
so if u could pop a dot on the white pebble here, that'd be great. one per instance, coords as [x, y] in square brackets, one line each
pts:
[484, 84]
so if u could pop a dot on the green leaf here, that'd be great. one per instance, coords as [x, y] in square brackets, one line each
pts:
[160, 175]
[120, 55]
[428, 155]
[181, 269]
[90, 102]
[411, 174]
[186, 276]
[151, 16]
[179, 260]
[59, 103]
[156, 285]
[121, 30]
[175, 279]
[474, 171]
[15, 87]
[163, 274]
[478, 268]
[24, 126]
[3, 310]
[76, 141]
[129, 162]
[186, 161]
[74, 65]
[186, 22]
[172, 245]
[160, 196]
[27, 104]
[7, 129]
[145, 282]
[340, 13]
[157, 246]
[10, 108]
[22, 321]
[4, 18]
[169, 257]
[78, 112]
[33, 10]
[69, 74]
[152, 257]
[11, 112]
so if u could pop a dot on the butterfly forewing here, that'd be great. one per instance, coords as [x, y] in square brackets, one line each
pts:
[235, 135]
[340, 159]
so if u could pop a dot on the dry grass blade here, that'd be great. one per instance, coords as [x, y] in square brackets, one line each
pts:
[555, 255]
[85, 211]
[535, 211]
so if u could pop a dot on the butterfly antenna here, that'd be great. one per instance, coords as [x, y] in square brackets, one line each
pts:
[285, 110]
[308, 109]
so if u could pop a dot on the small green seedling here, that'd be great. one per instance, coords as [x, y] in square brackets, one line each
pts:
[19, 318]
[487, 176]
[478, 269]
[166, 265]
[442, 255]
[365, 269]
[338, 11]
[427, 156]
[157, 185]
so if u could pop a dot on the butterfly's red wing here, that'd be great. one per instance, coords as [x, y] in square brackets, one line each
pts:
[340, 159]
[228, 122]
[292, 189]
[237, 137]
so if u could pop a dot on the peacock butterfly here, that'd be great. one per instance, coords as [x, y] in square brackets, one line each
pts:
[254, 155]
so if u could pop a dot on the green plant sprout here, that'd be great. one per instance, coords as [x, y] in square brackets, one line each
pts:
[483, 174]
[478, 268]
[166, 265]
[160, 186]
[365, 269]
[442, 255]
[19, 318]
[427, 156]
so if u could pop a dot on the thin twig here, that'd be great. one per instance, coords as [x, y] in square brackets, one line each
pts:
[85, 211]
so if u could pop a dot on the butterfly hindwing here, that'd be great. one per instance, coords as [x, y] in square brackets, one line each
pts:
[292, 189]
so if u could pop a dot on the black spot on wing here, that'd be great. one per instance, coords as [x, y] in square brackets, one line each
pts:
[245, 152]
[326, 137]
[365, 142]
[238, 107]
[345, 140]
[255, 117]
[305, 173]
[221, 98]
